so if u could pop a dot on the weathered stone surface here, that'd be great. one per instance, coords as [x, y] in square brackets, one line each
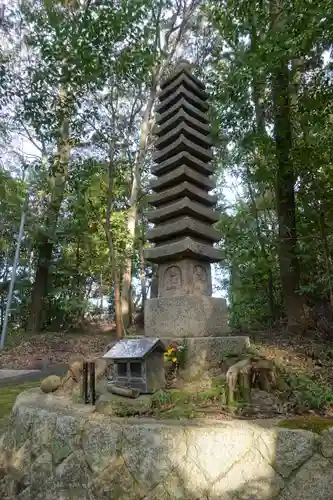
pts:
[182, 174]
[182, 158]
[183, 207]
[114, 405]
[19, 467]
[26, 494]
[132, 459]
[66, 437]
[167, 139]
[41, 473]
[183, 189]
[180, 145]
[314, 481]
[185, 248]
[184, 226]
[181, 316]
[116, 483]
[182, 92]
[181, 116]
[164, 449]
[73, 472]
[182, 65]
[327, 443]
[250, 478]
[229, 448]
[42, 431]
[50, 384]
[100, 443]
[22, 418]
[181, 103]
[183, 78]
[184, 277]
[287, 450]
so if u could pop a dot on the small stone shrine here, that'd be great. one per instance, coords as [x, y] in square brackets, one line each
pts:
[138, 364]
[183, 215]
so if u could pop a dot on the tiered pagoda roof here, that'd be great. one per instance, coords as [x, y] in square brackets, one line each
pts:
[183, 211]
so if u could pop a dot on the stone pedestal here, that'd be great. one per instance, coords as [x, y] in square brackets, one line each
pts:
[186, 316]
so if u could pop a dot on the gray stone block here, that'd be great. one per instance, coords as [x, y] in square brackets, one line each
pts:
[168, 138]
[180, 145]
[182, 66]
[184, 248]
[182, 158]
[183, 189]
[183, 207]
[181, 116]
[181, 104]
[180, 174]
[184, 277]
[186, 315]
[182, 92]
[184, 78]
[181, 227]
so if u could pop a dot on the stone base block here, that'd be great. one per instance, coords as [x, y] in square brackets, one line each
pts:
[186, 316]
[204, 353]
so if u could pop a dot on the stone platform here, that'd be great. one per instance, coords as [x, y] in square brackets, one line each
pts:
[186, 315]
[56, 450]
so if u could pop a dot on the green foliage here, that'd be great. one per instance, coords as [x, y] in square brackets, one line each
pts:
[306, 392]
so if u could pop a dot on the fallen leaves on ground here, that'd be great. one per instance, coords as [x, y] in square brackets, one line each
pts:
[53, 348]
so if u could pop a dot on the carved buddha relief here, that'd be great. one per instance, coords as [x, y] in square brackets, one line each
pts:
[172, 278]
[200, 280]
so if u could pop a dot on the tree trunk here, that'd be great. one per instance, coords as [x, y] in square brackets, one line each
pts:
[285, 196]
[46, 240]
[133, 211]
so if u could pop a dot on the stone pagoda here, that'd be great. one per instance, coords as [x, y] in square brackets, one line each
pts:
[183, 216]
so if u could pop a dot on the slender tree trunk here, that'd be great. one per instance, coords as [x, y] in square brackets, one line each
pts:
[112, 250]
[285, 196]
[133, 211]
[46, 238]
[285, 176]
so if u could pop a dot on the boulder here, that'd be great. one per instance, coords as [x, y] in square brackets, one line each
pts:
[50, 384]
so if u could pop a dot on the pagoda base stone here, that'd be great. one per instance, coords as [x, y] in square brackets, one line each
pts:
[186, 315]
[205, 353]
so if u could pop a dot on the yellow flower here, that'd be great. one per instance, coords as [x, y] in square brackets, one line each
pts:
[165, 355]
[170, 350]
[174, 360]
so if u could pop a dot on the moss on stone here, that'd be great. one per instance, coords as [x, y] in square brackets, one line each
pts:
[311, 423]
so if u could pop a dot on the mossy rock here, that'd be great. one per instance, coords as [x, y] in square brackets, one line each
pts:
[311, 423]
[118, 406]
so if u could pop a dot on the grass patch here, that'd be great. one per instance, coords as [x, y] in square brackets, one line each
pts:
[8, 395]
[311, 423]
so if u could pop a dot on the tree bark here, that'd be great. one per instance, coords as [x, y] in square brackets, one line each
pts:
[285, 183]
[46, 240]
